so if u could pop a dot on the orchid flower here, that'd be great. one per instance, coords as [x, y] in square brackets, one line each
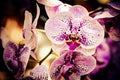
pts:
[16, 58]
[74, 29]
[71, 65]
[54, 7]
[29, 32]
[38, 73]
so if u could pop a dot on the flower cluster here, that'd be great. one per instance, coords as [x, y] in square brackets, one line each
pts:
[75, 36]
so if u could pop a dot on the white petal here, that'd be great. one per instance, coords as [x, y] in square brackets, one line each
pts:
[27, 20]
[105, 14]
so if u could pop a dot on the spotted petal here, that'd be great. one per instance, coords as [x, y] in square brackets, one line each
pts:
[39, 73]
[16, 58]
[9, 52]
[60, 25]
[88, 30]
[71, 65]
[91, 34]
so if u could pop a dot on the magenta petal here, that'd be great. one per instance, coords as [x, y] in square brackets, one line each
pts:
[39, 73]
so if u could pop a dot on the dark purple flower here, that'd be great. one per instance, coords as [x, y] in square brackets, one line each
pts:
[16, 58]
[71, 65]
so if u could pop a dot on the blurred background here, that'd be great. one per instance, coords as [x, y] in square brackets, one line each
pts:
[12, 18]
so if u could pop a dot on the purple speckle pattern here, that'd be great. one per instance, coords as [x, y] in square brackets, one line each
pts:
[86, 29]
[16, 58]
[39, 73]
[71, 65]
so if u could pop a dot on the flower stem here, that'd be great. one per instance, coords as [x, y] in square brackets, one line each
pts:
[45, 57]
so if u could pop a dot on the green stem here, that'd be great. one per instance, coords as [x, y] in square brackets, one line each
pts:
[45, 57]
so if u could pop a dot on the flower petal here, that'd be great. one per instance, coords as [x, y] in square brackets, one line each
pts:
[55, 67]
[9, 52]
[49, 2]
[84, 64]
[71, 65]
[91, 34]
[39, 73]
[16, 59]
[114, 34]
[86, 52]
[60, 25]
[44, 45]
[52, 11]
[78, 11]
[115, 5]
[31, 39]
[27, 20]
[24, 57]
[102, 55]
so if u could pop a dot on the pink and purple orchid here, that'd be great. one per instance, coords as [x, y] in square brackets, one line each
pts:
[71, 65]
[77, 38]
[16, 56]
[73, 29]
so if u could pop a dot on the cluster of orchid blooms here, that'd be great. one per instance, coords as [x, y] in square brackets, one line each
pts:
[76, 36]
